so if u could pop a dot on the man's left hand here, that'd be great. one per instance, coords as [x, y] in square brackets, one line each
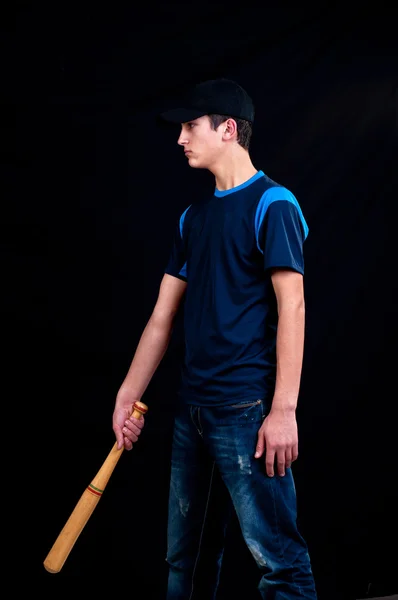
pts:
[278, 437]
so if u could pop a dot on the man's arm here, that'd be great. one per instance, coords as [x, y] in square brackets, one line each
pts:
[278, 435]
[288, 286]
[148, 355]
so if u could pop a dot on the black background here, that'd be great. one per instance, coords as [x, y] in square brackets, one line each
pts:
[96, 188]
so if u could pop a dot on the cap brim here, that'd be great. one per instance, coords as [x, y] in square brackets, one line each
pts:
[181, 115]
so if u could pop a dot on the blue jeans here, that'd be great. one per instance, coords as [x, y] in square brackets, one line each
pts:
[220, 442]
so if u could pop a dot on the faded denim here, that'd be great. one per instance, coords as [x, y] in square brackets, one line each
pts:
[210, 442]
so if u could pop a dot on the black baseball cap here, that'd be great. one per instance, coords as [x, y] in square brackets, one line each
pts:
[215, 96]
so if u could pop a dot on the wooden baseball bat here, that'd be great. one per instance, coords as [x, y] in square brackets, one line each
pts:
[83, 510]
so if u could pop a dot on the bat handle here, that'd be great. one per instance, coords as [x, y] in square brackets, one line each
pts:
[101, 479]
[139, 408]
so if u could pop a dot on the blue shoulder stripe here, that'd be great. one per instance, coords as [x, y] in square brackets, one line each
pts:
[274, 194]
[183, 271]
[182, 218]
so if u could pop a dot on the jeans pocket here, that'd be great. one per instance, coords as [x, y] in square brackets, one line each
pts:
[246, 404]
[249, 411]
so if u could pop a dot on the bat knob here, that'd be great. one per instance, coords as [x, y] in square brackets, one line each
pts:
[139, 408]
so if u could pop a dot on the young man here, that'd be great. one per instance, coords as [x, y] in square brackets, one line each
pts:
[238, 259]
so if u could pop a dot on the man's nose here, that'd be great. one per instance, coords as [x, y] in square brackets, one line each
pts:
[182, 139]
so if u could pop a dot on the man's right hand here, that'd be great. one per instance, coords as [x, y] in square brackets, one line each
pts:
[127, 429]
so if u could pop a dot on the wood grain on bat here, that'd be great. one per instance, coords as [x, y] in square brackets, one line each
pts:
[83, 510]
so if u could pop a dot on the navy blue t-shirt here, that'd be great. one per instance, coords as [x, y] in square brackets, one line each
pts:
[225, 247]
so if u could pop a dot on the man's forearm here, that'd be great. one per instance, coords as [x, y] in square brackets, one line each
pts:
[289, 356]
[149, 353]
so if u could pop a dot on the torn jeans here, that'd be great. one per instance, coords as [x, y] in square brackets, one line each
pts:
[213, 449]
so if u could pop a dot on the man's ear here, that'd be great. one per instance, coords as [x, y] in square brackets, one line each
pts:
[230, 127]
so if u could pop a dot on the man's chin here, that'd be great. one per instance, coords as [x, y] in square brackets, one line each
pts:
[195, 163]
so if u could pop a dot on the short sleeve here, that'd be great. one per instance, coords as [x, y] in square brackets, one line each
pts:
[282, 236]
[177, 266]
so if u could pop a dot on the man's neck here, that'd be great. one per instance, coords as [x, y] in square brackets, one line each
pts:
[235, 170]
